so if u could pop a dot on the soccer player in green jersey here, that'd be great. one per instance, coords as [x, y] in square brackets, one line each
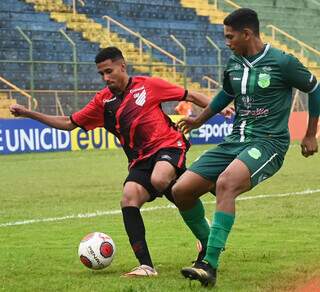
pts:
[259, 79]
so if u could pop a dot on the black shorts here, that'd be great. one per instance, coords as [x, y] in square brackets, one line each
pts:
[141, 172]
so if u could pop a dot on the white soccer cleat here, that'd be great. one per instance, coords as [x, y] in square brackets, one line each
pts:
[142, 271]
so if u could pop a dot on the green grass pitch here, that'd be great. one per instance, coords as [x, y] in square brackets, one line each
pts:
[274, 242]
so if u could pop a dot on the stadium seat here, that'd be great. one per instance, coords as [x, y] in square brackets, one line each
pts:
[156, 20]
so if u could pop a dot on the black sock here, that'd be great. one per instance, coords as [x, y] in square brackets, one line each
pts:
[135, 229]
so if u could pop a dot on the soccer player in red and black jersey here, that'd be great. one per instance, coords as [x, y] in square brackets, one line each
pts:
[130, 108]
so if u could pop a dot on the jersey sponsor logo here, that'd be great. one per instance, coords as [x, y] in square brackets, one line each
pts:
[247, 101]
[264, 80]
[109, 100]
[254, 153]
[236, 78]
[259, 112]
[136, 89]
[140, 97]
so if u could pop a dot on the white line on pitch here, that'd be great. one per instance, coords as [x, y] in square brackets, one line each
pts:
[116, 212]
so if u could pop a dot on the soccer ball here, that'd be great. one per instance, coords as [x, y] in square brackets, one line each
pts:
[96, 250]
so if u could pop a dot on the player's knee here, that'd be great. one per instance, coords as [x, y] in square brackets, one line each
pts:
[224, 185]
[160, 183]
[177, 193]
[226, 188]
[125, 202]
[129, 200]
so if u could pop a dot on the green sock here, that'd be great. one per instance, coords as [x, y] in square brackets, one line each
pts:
[218, 236]
[197, 222]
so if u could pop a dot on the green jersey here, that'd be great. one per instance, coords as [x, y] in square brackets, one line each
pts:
[262, 86]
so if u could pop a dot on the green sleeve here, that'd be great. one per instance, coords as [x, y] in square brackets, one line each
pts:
[298, 76]
[226, 80]
[220, 101]
[227, 85]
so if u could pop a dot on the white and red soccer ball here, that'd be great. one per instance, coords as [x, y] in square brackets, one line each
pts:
[96, 250]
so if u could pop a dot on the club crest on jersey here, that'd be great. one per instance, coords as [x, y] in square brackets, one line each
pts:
[140, 97]
[264, 80]
[254, 153]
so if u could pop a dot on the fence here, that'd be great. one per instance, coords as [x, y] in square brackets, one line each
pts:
[59, 89]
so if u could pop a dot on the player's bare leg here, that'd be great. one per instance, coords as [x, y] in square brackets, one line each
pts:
[189, 188]
[134, 196]
[163, 177]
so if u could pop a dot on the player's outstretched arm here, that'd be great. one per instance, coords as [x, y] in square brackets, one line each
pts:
[59, 122]
[186, 124]
[203, 100]
[198, 98]
[309, 144]
[218, 103]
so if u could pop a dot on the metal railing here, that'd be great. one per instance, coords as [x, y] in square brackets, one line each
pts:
[30, 43]
[299, 101]
[75, 66]
[60, 102]
[74, 5]
[150, 47]
[219, 59]
[303, 46]
[31, 102]
[315, 2]
[184, 52]
[232, 4]
[210, 82]
[54, 102]
[142, 40]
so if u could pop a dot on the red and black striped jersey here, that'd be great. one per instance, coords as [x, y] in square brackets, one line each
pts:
[136, 117]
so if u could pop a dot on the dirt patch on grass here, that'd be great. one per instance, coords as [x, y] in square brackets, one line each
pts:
[312, 285]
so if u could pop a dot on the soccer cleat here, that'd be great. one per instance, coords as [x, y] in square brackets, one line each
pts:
[202, 272]
[142, 271]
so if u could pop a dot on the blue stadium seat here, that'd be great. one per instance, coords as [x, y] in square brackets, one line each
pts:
[154, 19]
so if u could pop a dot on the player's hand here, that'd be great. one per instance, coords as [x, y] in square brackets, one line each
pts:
[18, 110]
[228, 112]
[309, 146]
[187, 124]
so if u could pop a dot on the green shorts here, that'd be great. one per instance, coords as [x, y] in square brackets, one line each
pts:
[262, 158]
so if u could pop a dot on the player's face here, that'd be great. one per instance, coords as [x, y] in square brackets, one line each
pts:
[113, 73]
[237, 41]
